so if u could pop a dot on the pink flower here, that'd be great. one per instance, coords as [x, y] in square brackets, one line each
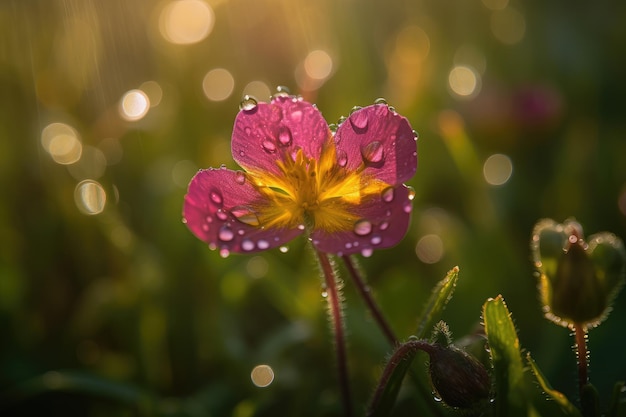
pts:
[343, 189]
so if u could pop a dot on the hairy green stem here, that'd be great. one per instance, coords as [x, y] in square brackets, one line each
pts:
[366, 293]
[334, 307]
[580, 335]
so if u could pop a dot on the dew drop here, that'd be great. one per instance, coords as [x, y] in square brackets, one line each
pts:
[226, 234]
[411, 194]
[341, 120]
[263, 244]
[212, 246]
[333, 128]
[359, 121]
[388, 194]
[367, 252]
[222, 215]
[241, 153]
[373, 152]
[269, 146]
[376, 240]
[296, 116]
[301, 227]
[247, 130]
[209, 219]
[247, 245]
[380, 100]
[383, 226]
[224, 252]
[240, 177]
[363, 227]
[281, 90]
[407, 207]
[284, 136]
[241, 232]
[248, 104]
[348, 245]
[342, 158]
[245, 215]
[324, 293]
[355, 108]
[205, 227]
[216, 197]
[284, 249]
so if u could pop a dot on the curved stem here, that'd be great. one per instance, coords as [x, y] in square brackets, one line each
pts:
[364, 290]
[334, 309]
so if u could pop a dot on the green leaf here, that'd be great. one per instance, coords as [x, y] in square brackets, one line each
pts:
[554, 396]
[437, 302]
[506, 358]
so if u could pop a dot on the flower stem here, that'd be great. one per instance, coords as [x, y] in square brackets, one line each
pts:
[334, 308]
[364, 290]
[583, 356]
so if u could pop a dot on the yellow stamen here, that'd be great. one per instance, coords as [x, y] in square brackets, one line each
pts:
[319, 194]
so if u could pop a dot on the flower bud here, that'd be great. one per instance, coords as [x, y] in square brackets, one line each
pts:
[577, 280]
[458, 378]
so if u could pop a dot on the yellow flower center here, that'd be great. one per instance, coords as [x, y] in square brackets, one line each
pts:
[318, 194]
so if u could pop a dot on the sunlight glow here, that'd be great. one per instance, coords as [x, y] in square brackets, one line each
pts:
[62, 142]
[90, 197]
[262, 376]
[464, 81]
[186, 22]
[218, 84]
[497, 169]
[134, 105]
[508, 25]
[495, 4]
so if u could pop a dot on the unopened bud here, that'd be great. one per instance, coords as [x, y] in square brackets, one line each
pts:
[578, 279]
[459, 379]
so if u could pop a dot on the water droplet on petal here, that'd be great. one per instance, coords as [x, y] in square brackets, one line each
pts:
[301, 227]
[284, 136]
[281, 90]
[380, 100]
[388, 194]
[348, 245]
[226, 234]
[224, 252]
[342, 158]
[247, 130]
[359, 121]
[209, 219]
[248, 104]
[341, 120]
[240, 177]
[355, 108]
[324, 292]
[407, 207]
[241, 153]
[212, 246]
[205, 227]
[245, 215]
[222, 215]
[216, 197]
[269, 146]
[373, 152]
[376, 240]
[363, 227]
[247, 245]
[383, 226]
[367, 252]
[284, 249]
[411, 194]
[263, 244]
[296, 116]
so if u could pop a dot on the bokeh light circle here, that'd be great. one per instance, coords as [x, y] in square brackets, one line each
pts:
[134, 105]
[62, 142]
[497, 169]
[464, 81]
[218, 84]
[186, 22]
[262, 376]
[90, 197]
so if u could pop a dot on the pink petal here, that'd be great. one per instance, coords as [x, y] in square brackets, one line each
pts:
[269, 132]
[217, 209]
[384, 222]
[380, 138]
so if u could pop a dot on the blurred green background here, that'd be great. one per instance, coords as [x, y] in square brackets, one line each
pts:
[108, 108]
